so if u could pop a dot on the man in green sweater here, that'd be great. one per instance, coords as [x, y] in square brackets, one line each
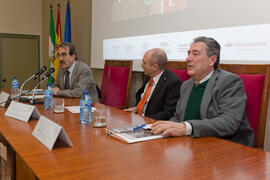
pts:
[212, 101]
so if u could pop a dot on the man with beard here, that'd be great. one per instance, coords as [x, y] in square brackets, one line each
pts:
[73, 76]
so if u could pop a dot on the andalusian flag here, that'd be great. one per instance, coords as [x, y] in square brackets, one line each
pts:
[51, 43]
[67, 35]
[58, 40]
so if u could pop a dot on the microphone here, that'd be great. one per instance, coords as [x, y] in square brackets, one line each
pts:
[44, 78]
[23, 99]
[44, 68]
[48, 73]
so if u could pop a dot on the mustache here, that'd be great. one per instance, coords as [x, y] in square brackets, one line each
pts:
[62, 62]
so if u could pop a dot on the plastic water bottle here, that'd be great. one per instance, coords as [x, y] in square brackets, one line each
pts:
[15, 87]
[85, 108]
[48, 97]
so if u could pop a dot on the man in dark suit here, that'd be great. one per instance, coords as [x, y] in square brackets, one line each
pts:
[161, 85]
[73, 76]
[212, 102]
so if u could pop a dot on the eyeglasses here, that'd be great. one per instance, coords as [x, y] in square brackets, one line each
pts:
[62, 55]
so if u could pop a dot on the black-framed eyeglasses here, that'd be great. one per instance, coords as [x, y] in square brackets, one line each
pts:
[62, 55]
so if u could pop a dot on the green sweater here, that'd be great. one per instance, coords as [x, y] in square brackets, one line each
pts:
[194, 102]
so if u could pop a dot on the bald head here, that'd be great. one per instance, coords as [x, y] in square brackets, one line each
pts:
[158, 56]
[154, 61]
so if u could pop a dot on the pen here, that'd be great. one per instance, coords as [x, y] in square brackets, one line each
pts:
[139, 127]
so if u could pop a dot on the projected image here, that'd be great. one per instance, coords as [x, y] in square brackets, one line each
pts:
[243, 43]
[130, 9]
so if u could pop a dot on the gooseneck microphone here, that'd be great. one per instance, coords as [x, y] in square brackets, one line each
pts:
[44, 78]
[21, 99]
[48, 73]
[44, 68]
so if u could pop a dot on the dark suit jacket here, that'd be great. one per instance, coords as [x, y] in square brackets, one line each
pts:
[81, 80]
[223, 109]
[162, 102]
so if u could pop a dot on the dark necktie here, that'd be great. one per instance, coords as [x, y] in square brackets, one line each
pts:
[67, 80]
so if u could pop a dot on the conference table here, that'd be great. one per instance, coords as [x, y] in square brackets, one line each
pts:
[96, 155]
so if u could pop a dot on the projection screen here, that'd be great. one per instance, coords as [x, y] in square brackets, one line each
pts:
[125, 29]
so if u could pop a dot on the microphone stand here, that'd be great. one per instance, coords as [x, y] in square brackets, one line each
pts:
[33, 100]
[24, 99]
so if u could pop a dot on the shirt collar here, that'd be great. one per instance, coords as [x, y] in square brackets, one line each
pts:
[157, 77]
[206, 78]
[72, 67]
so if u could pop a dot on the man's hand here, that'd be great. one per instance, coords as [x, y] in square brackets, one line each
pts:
[169, 128]
[132, 109]
[55, 90]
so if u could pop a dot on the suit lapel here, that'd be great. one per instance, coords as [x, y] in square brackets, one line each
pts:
[184, 99]
[207, 96]
[74, 72]
[61, 80]
[159, 85]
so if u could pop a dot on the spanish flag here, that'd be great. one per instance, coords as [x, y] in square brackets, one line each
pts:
[58, 40]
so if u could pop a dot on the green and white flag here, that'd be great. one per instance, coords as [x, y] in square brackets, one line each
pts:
[51, 43]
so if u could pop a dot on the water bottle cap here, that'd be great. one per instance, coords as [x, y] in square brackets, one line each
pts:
[14, 77]
[85, 93]
[48, 84]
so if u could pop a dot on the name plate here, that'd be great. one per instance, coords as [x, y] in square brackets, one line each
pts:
[5, 99]
[47, 132]
[22, 111]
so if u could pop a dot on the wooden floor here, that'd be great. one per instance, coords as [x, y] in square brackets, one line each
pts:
[96, 155]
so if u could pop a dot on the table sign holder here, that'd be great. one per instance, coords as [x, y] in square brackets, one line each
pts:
[22, 111]
[5, 99]
[47, 132]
